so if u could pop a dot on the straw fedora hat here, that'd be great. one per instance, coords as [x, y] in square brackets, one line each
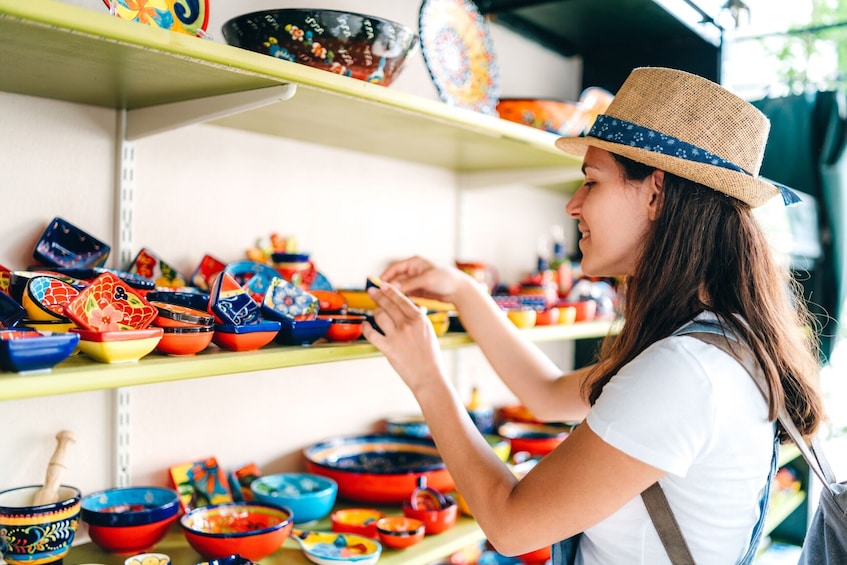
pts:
[689, 126]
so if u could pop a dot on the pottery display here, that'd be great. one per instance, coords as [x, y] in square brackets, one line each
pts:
[109, 304]
[37, 534]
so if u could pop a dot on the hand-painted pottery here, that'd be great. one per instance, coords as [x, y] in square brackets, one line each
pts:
[118, 346]
[27, 350]
[378, 468]
[309, 496]
[185, 340]
[556, 116]
[186, 297]
[18, 280]
[287, 299]
[301, 332]
[37, 535]
[205, 272]
[5, 279]
[148, 559]
[109, 304]
[11, 311]
[400, 532]
[251, 529]
[254, 277]
[64, 245]
[535, 439]
[45, 298]
[200, 483]
[230, 303]
[231, 560]
[129, 520]
[176, 316]
[344, 327]
[361, 521]
[329, 301]
[190, 17]
[356, 45]
[240, 480]
[248, 337]
[148, 265]
[324, 548]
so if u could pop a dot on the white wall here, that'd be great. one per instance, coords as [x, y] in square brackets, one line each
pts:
[206, 189]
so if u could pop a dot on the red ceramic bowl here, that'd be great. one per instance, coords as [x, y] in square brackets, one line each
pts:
[361, 521]
[177, 316]
[344, 327]
[535, 439]
[329, 301]
[129, 540]
[186, 340]
[251, 529]
[245, 338]
[400, 532]
[436, 520]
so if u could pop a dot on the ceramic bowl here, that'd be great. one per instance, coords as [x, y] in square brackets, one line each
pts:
[37, 534]
[400, 532]
[229, 303]
[522, 317]
[585, 310]
[561, 117]
[177, 316]
[435, 520]
[185, 341]
[129, 520]
[190, 18]
[301, 332]
[567, 314]
[357, 45]
[231, 560]
[332, 548]
[11, 311]
[547, 317]
[440, 322]
[45, 298]
[109, 304]
[407, 426]
[378, 468]
[206, 271]
[284, 299]
[150, 266]
[357, 299]
[65, 245]
[251, 529]
[55, 326]
[121, 346]
[26, 350]
[193, 300]
[148, 559]
[309, 496]
[361, 521]
[536, 439]
[254, 277]
[344, 327]
[245, 338]
[329, 301]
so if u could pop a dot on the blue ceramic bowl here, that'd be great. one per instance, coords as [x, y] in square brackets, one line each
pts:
[310, 497]
[196, 300]
[301, 332]
[11, 311]
[64, 245]
[37, 534]
[25, 350]
[130, 506]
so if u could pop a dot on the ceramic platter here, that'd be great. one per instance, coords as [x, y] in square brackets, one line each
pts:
[458, 53]
[184, 16]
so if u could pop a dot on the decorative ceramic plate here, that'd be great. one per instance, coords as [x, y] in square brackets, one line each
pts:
[148, 265]
[109, 303]
[190, 17]
[458, 53]
[290, 301]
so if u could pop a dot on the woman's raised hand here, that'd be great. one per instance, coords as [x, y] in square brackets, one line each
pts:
[417, 276]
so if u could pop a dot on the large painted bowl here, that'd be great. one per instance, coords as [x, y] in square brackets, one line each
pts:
[379, 469]
[37, 535]
[364, 47]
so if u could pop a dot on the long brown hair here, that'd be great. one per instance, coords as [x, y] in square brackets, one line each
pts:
[706, 251]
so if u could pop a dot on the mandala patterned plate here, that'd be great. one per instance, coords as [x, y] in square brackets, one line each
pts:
[109, 304]
[184, 16]
[457, 49]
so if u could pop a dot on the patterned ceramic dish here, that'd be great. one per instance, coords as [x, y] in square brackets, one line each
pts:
[309, 496]
[119, 346]
[26, 350]
[190, 17]
[108, 304]
[400, 532]
[361, 521]
[150, 266]
[284, 299]
[325, 548]
[46, 297]
[356, 45]
[248, 337]
[254, 277]
[37, 534]
[230, 303]
[186, 340]
[11, 311]
[301, 332]
[556, 116]
[64, 245]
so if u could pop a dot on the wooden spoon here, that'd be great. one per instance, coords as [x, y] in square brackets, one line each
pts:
[49, 492]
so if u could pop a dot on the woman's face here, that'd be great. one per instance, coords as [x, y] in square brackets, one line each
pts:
[613, 213]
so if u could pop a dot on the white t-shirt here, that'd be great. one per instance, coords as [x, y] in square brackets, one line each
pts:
[690, 409]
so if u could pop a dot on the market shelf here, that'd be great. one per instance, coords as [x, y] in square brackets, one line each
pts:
[782, 507]
[432, 548]
[64, 52]
[80, 374]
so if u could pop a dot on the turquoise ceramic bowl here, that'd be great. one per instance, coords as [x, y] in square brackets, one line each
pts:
[309, 496]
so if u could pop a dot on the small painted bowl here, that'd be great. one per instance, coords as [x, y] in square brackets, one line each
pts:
[301, 332]
[229, 303]
[108, 304]
[247, 337]
[37, 534]
[287, 300]
[251, 529]
[332, 548]
[231, 560]
[361, 521]
[440, 322]
[185, 341]
[522, 317]
[254, 277]
[45, 298]
[11, 311]
[344, 327]
[26, 350]
[148, 559]
[56, 326]
[535, 439]
[193, 300]
[435, 520]
[64, 245]
[176, 316]
[329, 301]
[309, 496]
[130, 520]
[121, 346]
[400, 532]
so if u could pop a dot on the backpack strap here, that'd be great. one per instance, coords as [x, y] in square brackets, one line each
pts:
[666, 525]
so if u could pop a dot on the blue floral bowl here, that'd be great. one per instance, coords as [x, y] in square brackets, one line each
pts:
[37, 535]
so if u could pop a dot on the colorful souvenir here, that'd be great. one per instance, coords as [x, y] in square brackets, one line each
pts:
[289, 300]
[148, 265]
[200, 483]
[205, 272]
[64, 245]
[109, 304]
[230, 303]
[190, 17]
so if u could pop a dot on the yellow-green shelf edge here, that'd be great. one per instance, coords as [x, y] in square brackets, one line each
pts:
[59, 51]
[80, 374]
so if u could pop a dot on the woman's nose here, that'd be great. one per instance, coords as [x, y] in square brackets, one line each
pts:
[574, 205]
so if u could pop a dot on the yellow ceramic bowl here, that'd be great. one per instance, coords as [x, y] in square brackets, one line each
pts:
[357, 299]
[523, 317]
[122, 346]
[440, 322]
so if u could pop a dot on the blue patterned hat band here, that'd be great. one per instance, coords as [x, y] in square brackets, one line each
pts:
[622, 132]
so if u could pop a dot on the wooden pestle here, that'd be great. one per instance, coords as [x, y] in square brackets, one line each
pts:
[49, 491]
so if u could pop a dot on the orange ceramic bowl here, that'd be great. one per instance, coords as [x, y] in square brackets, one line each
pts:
[344, 327]
[547, 317]
[436, 520]
[557, 116]
[523, 317]
[361, 521]
[329, 301]
[251, 529]
[177, 316]
[535, 439]
[400, 532]
[585, 309]
[185, 341]
[248, 337]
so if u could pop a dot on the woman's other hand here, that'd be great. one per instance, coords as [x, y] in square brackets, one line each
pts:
[417, 276]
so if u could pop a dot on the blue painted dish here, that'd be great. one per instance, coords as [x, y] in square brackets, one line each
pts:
[25, 350]
[309, 496]
[11, 312]
[196, 300]
[300, 332]
[130, 506]
[64, 245]
[286, 300]
[254, 277]
[230, 303]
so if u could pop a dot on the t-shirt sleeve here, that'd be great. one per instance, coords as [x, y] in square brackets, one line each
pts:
[659, 408]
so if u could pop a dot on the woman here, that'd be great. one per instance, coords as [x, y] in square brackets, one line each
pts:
[670, 182]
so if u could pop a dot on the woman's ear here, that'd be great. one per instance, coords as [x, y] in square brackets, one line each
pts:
[655, 187]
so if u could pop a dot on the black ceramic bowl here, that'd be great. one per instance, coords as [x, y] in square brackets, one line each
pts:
[364, 47]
